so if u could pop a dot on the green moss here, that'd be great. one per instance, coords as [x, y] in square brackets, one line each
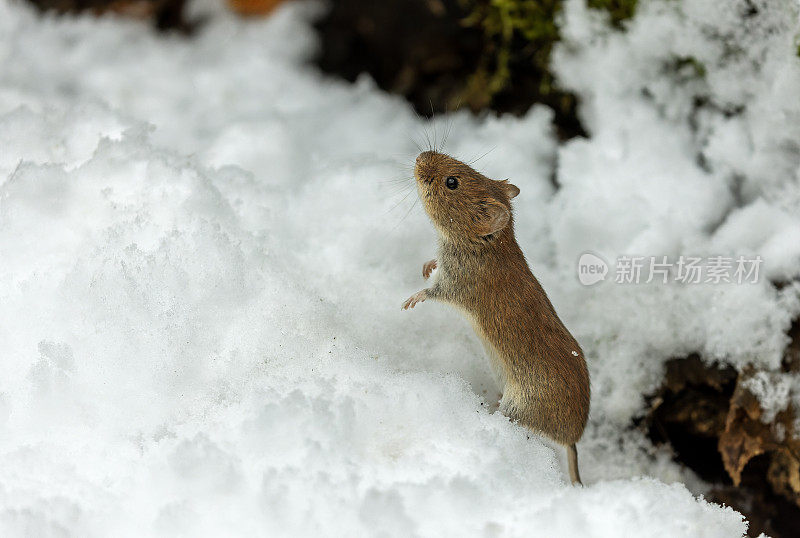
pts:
[512, 29]
[690, 66]
[618, 10]
[519, 37]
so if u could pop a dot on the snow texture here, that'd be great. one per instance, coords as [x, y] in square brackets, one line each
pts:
[205, 245]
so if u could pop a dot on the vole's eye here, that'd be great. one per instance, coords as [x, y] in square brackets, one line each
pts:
[451, 182]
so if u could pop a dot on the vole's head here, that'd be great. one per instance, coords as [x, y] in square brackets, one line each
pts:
[464, 204]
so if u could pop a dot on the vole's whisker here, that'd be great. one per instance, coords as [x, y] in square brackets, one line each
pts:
[403, 179]
[449, 127]
[399, 190]
[405, 176]
[403, 199]
[407, 213]
[396, 186]
[473, 161]
[433, 119]
[405, 157]
[403, 172]
[423, 122]
[427, 138]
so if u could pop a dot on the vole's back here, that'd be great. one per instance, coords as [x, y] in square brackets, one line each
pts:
[543, 368]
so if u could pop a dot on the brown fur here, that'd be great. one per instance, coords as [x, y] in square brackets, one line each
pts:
[483, 272]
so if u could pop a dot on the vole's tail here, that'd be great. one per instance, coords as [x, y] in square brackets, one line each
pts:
[572, 458]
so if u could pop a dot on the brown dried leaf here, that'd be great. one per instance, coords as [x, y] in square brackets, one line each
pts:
[746, 437]
[784, 475]
[737, 448]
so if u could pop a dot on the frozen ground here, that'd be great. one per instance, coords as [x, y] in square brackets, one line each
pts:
[204, 252]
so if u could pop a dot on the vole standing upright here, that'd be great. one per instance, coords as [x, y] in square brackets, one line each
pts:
[483, 272]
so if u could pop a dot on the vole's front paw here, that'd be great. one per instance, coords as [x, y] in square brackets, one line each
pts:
[427, 268]
[412, 301]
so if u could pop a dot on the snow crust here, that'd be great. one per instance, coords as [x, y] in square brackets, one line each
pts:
[205, 245]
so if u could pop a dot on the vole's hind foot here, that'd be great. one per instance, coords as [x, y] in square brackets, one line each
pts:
[427, 268]
[412, 301]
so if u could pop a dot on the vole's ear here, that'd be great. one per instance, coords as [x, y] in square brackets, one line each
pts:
[493, 218]
[511, 190]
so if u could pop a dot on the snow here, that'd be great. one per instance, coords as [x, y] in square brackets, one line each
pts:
[205, 245]
[772, 391]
